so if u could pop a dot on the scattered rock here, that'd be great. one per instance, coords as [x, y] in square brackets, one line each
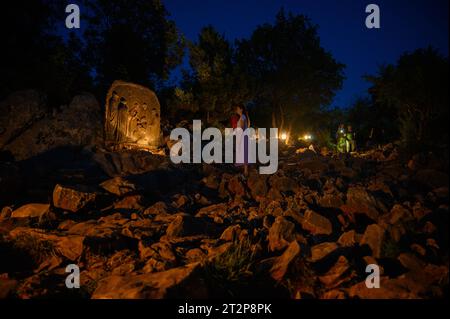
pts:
[389, 289]
[236, 187]
[316, 224]
[373, 237]
[194, 255]
[231, 233]
[130, 203]
[335, 276]
[431, 178]
[7, 286]
[159, 208]
[282, 263]
[322, 250]
[118, 186]
[281, 233]
[186, 225]
[349, 239]
[30, 211]
[258, 186]
[72, 198]
[331, 201]
[359, 201]
[6, 213]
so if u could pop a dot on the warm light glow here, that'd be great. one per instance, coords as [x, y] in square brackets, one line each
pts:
[283, 136]
[305, 137]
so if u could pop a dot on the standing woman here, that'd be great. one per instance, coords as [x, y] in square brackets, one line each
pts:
[242, 139]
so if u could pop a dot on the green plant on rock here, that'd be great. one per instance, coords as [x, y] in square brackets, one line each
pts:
[232, 268]
[37, 249]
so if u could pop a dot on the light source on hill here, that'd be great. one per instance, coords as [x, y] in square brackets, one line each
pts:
[305, 137]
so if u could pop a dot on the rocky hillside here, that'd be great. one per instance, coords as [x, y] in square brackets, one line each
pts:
[140, 227]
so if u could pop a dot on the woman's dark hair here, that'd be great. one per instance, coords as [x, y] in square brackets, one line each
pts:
[244, 111]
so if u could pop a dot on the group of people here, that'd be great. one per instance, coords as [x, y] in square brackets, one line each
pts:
[345, 139]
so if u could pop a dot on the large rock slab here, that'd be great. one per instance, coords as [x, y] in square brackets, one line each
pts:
[30, 128]
[20, 110]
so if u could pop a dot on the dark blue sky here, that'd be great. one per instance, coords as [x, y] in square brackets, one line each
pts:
[405, 25]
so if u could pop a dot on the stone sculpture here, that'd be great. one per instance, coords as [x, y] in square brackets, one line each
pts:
[132, 117]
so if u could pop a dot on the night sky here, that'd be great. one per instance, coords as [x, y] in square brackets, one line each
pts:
[405, 25]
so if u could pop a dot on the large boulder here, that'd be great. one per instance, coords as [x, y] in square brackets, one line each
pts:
[179, 282]
[129, 162]
[20, 111]
[30, 128]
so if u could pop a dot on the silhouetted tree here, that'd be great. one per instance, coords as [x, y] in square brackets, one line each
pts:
[214, 81]
[35, 55]
[417, 89]
[290, 71]
[370, 117]
[131, 40]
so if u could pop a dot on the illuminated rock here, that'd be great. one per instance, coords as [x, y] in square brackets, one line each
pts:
[132, 117]
[30, 211]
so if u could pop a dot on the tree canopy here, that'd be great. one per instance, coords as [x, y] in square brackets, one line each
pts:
[131, 40]
[35, 56]
[291, 73]
[416, 87]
